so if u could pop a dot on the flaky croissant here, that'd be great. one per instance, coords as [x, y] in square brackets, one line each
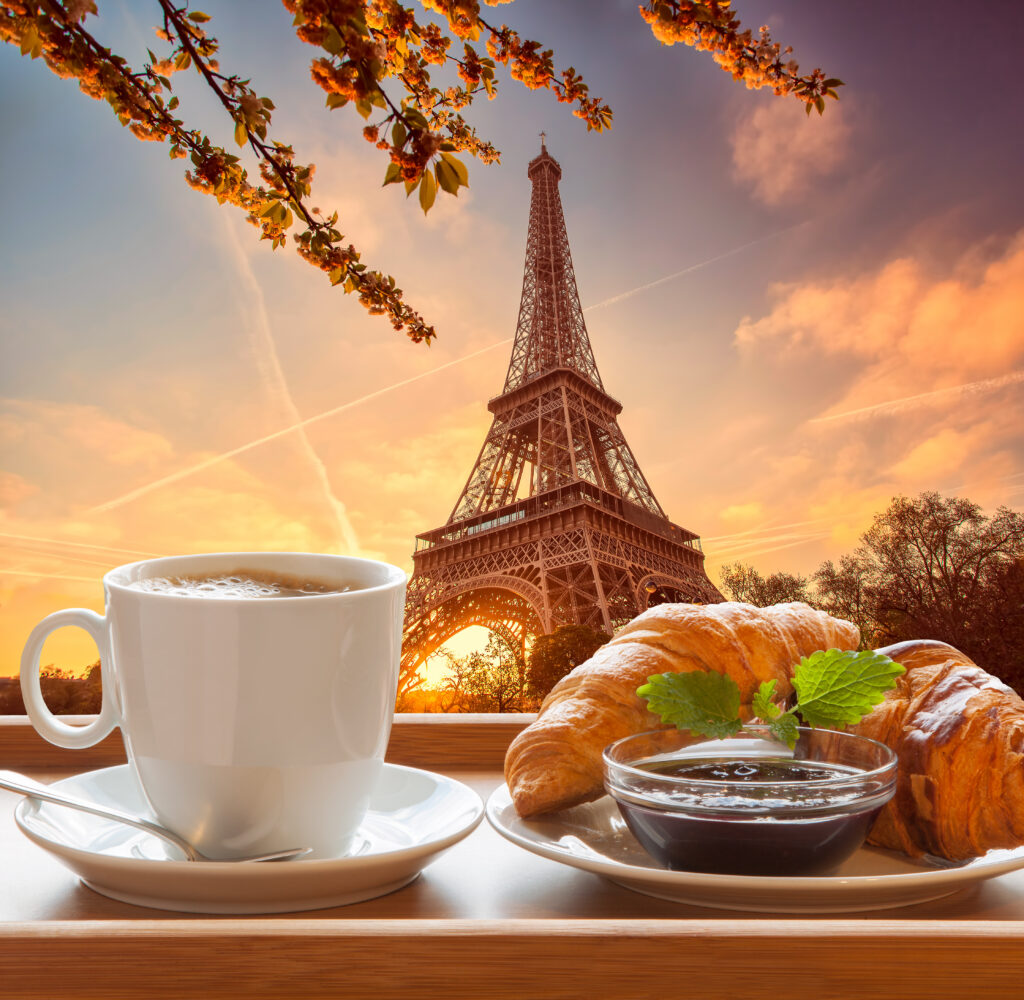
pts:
[556, 761]
[959, 735]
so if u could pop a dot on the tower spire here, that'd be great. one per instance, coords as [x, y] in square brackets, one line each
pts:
[551, 332]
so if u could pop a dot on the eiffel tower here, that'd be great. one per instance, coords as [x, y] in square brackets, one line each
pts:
[556, 523]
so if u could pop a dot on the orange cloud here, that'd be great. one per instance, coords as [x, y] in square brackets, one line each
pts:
[779, 151]
[14, 489]
[932, 457]
[862, 316]
[742, 513]
[77, 428]
[909, 329]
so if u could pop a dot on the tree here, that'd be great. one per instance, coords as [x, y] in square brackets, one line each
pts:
[373, 56]
[63, 692]
[744, 583]
[490, 681]
[998, 633]
[554, 654]
[843, 592]
[931, 567]
[936, 567]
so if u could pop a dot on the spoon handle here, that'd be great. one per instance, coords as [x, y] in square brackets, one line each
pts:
[25, 785]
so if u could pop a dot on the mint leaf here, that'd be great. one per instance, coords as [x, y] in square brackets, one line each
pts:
[763, 706]
[784, 729]
[705, 703]
[839, 687]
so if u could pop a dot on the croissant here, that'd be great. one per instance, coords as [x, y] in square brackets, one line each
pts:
[959, 735]
[556, 761]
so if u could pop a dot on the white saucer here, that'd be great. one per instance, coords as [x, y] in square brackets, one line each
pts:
[594, 838]
[414, 816]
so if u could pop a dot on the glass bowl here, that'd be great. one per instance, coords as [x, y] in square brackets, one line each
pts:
[748, 805]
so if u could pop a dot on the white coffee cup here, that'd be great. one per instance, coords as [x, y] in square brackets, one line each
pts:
[253, 724]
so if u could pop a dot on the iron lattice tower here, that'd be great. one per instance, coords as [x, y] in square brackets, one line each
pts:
[556, 523]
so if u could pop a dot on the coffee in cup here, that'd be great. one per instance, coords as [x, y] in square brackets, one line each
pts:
[254, 692]
[241, 583]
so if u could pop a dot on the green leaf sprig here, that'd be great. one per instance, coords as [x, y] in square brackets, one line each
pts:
[835, 688]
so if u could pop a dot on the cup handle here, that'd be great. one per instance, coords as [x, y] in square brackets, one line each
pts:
[45, 722]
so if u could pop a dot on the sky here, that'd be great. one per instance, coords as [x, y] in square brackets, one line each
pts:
[802, 317]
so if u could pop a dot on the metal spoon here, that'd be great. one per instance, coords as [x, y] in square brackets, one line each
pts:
[24, 785]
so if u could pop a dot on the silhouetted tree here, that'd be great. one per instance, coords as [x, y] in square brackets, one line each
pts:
[935, 567]
[744, 583]
[554, 654]
[931, 567]
[843, 592]
[490, 681]
[63, 692]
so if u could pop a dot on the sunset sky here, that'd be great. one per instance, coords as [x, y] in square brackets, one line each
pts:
[802, 317]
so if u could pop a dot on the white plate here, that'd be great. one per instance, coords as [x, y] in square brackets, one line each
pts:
[414, 816]
[595, 838]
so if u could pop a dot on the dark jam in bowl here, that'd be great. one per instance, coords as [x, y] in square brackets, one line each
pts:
[754, 845]
[748, 805]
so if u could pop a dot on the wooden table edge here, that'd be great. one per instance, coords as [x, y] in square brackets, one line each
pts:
[746, 929]
[506, 959]
[437, 741]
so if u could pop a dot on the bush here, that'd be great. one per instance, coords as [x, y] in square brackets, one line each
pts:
[63, 693]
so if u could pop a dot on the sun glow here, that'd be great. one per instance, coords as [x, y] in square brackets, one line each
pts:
[469, 640]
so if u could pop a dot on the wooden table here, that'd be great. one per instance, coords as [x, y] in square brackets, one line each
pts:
[487, 920]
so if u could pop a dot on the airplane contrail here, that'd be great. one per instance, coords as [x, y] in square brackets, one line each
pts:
[784, 536]
[763, 529]
[79, 545]
[48, 576]
[241, 449]
[261, 340]
[772, 548]
[690, 269]
[751, 547]
[923, 398]
[63, 558]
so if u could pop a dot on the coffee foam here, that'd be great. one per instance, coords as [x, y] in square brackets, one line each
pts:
[240, 584]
